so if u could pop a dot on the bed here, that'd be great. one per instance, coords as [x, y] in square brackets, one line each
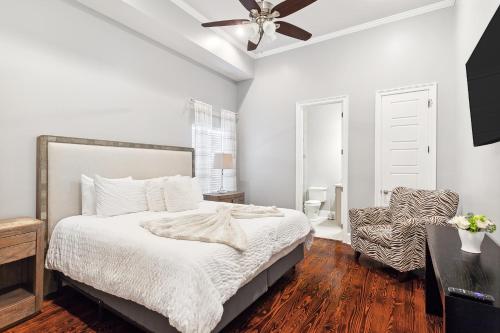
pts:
[159, 284]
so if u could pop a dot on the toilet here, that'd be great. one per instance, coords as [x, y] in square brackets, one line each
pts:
[316, 196]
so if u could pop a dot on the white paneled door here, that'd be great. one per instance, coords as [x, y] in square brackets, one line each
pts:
[406, 132]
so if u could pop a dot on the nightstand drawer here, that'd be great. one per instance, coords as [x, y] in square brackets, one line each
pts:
[17, 252]
[17, 239]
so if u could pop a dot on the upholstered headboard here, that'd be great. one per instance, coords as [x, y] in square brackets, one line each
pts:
[61, 161]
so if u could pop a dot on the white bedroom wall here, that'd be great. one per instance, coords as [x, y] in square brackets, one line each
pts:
[323, 144]
[479, 167]
[416, 50]
[65, 71]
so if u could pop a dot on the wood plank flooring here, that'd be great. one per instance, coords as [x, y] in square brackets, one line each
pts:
[329, 292]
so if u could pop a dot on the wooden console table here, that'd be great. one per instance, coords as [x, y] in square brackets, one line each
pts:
[448, 266]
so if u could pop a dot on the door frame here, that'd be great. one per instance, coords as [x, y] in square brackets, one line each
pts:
[299, 153]
[432, 89]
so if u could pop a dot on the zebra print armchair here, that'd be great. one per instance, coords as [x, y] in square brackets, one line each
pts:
[395, 235]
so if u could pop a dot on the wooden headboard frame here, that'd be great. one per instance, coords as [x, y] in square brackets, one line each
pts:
[42, 163]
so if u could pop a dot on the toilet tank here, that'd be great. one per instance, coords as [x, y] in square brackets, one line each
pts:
[317, 193]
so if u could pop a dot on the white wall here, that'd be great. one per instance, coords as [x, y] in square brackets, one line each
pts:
[478, 167]
[323, 144]
[66, 72]
[416, 50]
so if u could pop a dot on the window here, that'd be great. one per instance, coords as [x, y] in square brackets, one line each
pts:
[213, 133]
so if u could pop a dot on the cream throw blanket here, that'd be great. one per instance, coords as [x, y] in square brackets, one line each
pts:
[218, 227]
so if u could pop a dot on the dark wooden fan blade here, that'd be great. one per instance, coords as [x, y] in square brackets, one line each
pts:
[252, 46]
[250, 4]
[223, 23]
[291, 30]
[288, 7]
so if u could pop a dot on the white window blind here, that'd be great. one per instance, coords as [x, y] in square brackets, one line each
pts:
[213, 134]
[228, 146]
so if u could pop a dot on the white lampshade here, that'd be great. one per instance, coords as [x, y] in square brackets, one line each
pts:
[252, 29]
[223, 161]
[269, 29]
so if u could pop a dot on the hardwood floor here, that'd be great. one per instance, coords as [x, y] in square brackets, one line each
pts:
[329, 292]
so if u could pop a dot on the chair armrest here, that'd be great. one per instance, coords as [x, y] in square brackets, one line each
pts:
[366, 216]
[406, 230]
[408, 241]
[419, 222]
[369, 216]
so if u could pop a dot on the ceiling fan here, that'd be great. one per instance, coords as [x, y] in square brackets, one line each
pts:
[263, 15]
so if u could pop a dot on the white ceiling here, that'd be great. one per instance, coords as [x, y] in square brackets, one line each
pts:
[321, 18]
[175, 24]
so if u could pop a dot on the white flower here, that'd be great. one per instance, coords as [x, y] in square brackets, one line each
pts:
[460, 221]
[483, 224]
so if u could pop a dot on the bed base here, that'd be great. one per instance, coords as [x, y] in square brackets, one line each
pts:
[152, 321]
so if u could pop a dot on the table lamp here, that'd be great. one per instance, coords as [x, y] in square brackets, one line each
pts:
[223, 161]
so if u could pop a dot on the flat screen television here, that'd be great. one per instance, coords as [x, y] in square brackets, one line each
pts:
[483, 76]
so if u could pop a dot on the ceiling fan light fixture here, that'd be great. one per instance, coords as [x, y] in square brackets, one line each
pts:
[269, 28]
[250, 29]
[253, 29]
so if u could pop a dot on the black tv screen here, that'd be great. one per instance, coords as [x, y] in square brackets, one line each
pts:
[483, 76]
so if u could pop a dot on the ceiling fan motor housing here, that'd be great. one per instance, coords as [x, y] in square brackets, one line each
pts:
[266, 8]
[266, 13]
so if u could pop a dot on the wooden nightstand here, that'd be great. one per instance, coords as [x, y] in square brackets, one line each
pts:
[21, 269]
[232, 197]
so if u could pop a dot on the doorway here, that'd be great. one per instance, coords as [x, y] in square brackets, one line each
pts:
[322, 165]
[405, 140]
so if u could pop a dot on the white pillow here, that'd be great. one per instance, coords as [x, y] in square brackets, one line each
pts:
[154, 194]
[118, 198]
[88, 194]
[179, 194]
[198, 194]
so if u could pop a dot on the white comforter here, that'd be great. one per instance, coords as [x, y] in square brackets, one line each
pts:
[186, 281]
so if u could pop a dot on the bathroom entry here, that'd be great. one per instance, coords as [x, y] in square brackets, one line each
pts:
[322, 165]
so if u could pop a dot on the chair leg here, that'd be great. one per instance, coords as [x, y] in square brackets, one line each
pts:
[357, 254]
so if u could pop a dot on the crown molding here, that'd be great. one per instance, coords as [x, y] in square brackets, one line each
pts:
[361, 27]
[318, 39]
